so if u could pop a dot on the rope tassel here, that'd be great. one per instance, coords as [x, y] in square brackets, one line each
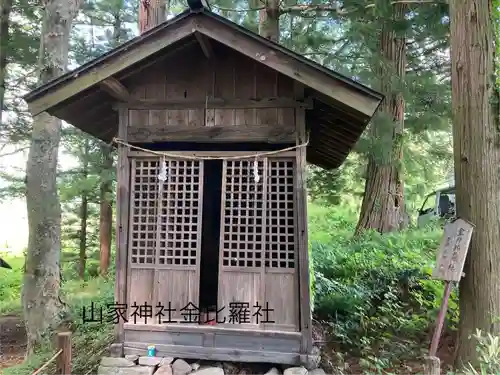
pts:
[256, 170]
[162, 176]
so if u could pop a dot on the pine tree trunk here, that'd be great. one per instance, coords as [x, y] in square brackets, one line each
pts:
[151, 14]
[6, 7]
[84, 212]
[106, 210]
[383, 206]
[43, 307]
[269, 20]
[477, 157]
[105, 198]
[84, 209]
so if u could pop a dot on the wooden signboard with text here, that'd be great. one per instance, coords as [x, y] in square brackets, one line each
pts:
[449, 267]
[453, 250]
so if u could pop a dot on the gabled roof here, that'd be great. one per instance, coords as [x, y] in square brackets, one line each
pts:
[342, 107]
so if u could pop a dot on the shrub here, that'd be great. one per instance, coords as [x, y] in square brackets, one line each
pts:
[10, 284]
[488, 348]
[375, 291]
[89, 340]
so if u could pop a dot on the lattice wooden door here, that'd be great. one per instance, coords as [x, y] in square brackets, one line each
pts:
[165, 236]
[258, 284]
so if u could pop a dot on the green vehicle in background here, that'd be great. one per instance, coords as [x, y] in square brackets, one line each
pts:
[438, 204]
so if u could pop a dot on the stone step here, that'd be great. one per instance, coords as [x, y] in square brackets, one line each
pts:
[145, 365]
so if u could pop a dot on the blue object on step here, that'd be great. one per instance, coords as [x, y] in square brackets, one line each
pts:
[151, 351]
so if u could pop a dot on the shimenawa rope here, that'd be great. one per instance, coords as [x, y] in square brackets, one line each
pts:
[191, 157]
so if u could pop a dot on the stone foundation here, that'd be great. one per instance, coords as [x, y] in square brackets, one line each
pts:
[135, 365]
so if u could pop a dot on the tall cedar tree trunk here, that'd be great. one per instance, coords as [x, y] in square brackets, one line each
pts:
[269, 20]
[476, 128]
[106, 210]
[84, 213]
[43, 308]
[152, 13]
[105, 202]
[6, 7]
[84, 210]
[383, 201]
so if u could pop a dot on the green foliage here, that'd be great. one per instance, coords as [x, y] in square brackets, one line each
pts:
[375, 292]
[488, 348]
[325, 186]
[350, 44]
[90, 341]
[11, 280]
[344, 185]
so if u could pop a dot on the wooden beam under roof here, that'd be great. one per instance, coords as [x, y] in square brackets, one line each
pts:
[116, 89]
[216, 103]
[205, 44]
[230, 133]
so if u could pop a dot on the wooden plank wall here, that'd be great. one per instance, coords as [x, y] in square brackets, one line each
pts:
[189, 76]
[216, 343]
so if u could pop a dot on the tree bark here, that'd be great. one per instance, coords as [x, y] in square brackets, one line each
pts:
[84, 211]
[383, 206]
[6, 7]
[269, 21]
[43, 308]
[106, 185]
[151, 14]
[476, 127]
[106, 210]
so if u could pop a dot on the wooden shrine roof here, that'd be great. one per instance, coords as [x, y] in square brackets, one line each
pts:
[341, 109]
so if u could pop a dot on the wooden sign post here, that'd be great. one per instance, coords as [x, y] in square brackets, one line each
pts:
[449, 267]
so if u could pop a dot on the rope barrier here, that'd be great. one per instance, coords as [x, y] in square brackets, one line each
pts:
[48, 362]
[177, 156]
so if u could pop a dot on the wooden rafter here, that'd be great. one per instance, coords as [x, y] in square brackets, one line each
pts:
[116, 89]
[231, 133]
[205, 44]
[218, 103]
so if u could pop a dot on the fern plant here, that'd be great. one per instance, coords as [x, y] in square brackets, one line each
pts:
[488, 347]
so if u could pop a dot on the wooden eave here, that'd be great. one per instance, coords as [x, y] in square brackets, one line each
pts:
[341, 112]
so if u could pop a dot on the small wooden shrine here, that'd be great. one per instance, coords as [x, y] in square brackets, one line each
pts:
[214, 126]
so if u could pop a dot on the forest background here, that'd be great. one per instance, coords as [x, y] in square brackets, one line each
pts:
[374, 300]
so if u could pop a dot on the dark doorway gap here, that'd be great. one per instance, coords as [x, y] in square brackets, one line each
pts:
[209, 259]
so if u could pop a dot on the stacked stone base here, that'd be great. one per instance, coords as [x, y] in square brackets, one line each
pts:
[135, 365]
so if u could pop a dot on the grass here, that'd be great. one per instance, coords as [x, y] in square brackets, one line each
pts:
[89, 341]
[10, 285]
